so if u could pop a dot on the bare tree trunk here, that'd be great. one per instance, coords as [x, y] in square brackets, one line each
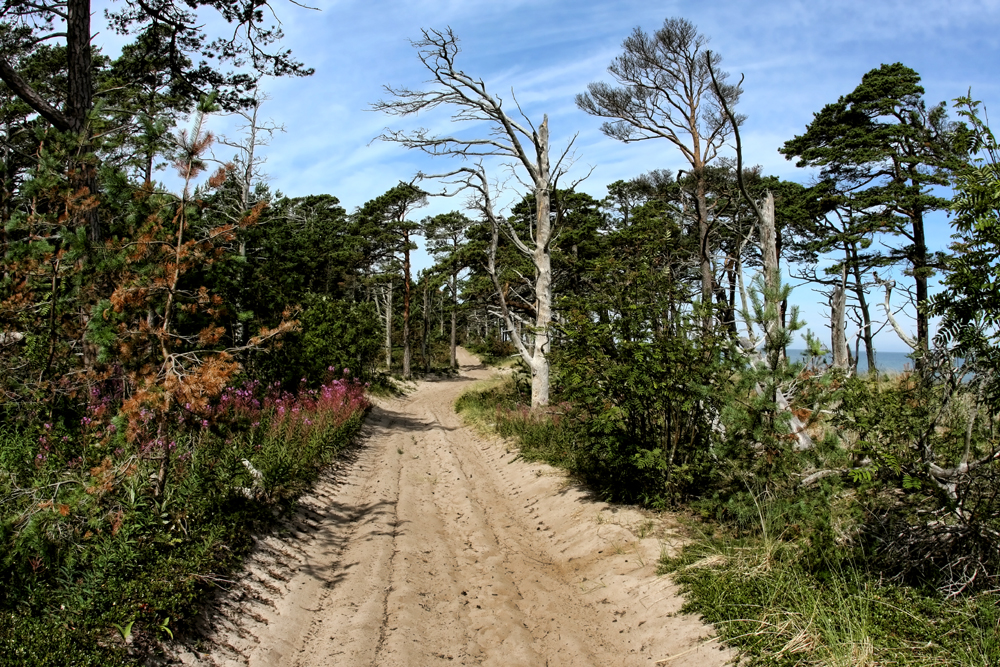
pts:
[535, 357]
[838, 338]
[920, 274]
[913, 344]
[768, 248]
[707, 276]
[745, 302]
[772, 275]
[454, 340]
[543, 277]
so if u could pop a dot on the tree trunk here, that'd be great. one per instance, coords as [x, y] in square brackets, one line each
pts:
[454, 321]
[535, 356]
[838, 339]
[388, 327]
[79, 101]
[79, 96]
[707, 278]
[427, 328]
[731, 297]
[866, 318]
[406, 307]
[772, 280]
[920, 274]
[543, 268]
[239, 329]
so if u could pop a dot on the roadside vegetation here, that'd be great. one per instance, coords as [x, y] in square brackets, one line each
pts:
[97, 569]
[798, 558]
[177, 363]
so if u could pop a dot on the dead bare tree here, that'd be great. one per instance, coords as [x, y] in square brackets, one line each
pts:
[838, 308]
[911, 342]
[247, 172]
[526, 149]
[763, 210]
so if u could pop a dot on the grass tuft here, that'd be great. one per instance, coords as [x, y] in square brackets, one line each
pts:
[776, 612]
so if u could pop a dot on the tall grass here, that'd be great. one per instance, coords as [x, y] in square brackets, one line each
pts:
[777, 612]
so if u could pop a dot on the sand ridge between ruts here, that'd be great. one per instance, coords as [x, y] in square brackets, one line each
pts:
[430, 545]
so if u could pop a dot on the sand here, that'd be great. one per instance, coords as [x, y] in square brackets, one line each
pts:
[430, 545]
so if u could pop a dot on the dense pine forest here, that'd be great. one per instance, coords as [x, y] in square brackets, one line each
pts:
[183, 348]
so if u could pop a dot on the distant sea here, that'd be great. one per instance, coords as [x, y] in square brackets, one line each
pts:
[887, 362]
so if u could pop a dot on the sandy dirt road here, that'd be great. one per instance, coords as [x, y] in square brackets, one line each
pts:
[429, 545]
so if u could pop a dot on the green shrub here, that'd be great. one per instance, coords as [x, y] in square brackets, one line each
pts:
[332, 334]
[932, 518]
[492, 350]
[647, 406]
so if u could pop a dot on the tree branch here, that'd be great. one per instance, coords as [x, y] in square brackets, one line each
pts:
[31, 97]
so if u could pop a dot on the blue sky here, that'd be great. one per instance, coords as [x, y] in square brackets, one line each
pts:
[797, 56]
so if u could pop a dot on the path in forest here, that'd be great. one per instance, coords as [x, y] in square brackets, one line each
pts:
[429, 545]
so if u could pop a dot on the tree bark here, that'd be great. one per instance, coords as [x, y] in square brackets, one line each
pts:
[388, 327]
[772, 277]
[454, 321]
[30, 97]
[866, 317]
[406, 306]
[838, 339]
[427, 328]
[79, 96]
[543, 272]
[704, 229]
[920, 271]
